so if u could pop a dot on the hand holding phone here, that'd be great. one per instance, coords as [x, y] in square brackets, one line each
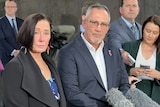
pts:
[134, 82]
[144, 67]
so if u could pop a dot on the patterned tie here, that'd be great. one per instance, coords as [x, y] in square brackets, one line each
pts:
[14, 27]
[133, 29]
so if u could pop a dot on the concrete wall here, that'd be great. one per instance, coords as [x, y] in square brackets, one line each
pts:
[69, 11]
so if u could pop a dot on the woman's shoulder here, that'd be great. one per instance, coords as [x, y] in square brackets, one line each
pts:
[134, 42]
[131, 43]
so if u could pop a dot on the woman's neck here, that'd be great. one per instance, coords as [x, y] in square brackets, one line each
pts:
[149, 46]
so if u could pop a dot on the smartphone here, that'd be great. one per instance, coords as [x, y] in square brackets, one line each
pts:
[131, 59]
[134, 82]
[144, 66]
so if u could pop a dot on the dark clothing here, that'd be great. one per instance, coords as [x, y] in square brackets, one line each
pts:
[23, 84]
[81, 80]
[151, 88]
[120, 33]
[8, 39]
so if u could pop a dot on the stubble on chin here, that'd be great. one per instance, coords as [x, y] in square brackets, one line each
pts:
[96, 42]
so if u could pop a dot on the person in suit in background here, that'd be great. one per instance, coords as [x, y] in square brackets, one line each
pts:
[146, 52]
[9, 26]
[89, 67]
[84, 10]
[120, 30]
[30, 79]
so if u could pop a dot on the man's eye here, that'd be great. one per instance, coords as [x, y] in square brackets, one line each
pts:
[104, 25]
[94, 22]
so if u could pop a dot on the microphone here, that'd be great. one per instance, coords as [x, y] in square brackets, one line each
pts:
[116, 98]
[140, 99]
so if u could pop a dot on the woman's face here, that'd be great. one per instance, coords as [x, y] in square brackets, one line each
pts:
[42, 35]
[151, 33]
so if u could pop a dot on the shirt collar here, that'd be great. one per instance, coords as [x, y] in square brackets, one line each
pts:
[127, 22]
[10, 18]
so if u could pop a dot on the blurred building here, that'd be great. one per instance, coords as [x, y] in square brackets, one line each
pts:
[68, 12]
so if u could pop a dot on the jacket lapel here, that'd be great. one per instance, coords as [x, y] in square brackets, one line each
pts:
[83, 50]
[37, 87]
[55, 74]
[135, 49]
[18, 24]
[126, 29]
[6, 21]
[109, 65]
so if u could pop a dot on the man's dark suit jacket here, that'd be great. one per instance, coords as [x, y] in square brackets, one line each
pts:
[81, 81]
[24, 85]
[120, 33]
[8, 39]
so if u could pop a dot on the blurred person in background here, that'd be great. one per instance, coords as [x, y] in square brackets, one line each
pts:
[9, 27]
[125, 28]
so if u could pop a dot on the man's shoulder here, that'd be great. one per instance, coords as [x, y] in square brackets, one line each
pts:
[132, 44]
[139, 25]
[117, 21]
[19, 19]
[3, 18]
[117, 25]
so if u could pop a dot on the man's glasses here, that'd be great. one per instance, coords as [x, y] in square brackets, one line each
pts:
[95, 24]
[11, 6]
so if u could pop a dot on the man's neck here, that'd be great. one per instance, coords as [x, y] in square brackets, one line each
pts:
[132, 21]
[11, 16]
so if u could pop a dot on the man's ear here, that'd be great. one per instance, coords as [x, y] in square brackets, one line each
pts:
[83, 20]
[120, 9]
[83, 17]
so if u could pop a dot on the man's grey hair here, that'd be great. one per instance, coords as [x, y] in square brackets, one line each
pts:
[98, 6]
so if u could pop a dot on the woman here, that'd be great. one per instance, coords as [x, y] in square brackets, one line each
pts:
[31, 79]
[146, 52]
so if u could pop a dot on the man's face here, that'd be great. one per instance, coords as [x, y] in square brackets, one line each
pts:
[96, 26]
[130, 10]
[10, 8]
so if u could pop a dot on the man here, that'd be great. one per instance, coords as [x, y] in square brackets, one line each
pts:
[9, 26]
[89, 67]
[84, 10]
[120, 30]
